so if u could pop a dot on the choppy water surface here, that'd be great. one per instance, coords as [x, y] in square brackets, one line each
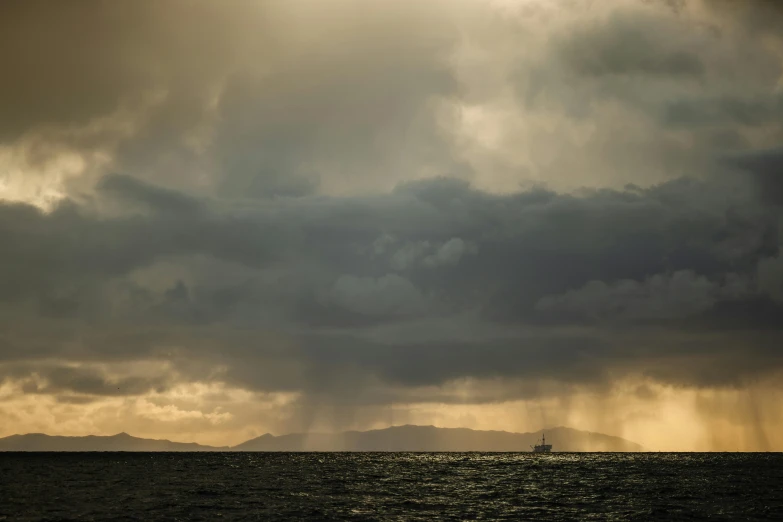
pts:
[391, 486]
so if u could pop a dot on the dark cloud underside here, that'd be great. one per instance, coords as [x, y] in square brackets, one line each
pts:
[368, 201]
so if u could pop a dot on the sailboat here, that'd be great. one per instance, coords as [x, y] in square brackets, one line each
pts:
[543, 447]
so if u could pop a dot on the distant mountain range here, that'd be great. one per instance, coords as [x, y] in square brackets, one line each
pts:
[395, 438]
[119, 442]
[430, 438]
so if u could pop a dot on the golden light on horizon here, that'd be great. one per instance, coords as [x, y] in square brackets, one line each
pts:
[660, 418]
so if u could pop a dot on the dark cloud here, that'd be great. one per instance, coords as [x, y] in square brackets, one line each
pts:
[128, 189]
[83, 383]
[759, 17]
[686, 256]
[87, 382]
[766, 168]
[74, 62]
[652, 85]
[728, 110]
[754, 313]
[682, 293]
[278, 196]
[629, 43]
[247, 100]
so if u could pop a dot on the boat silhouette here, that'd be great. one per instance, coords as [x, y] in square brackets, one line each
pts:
[543, 447]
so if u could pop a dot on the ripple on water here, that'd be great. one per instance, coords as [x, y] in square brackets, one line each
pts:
[390, 486]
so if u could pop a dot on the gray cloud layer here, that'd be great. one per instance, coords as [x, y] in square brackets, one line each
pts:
[288, 197]
[555, 286]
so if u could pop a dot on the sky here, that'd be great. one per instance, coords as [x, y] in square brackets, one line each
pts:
[221, 219]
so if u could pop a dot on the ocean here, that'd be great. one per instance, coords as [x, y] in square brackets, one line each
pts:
[391, 486]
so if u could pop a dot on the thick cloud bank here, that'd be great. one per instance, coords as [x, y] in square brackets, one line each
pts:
[352, 206]
[552, 285]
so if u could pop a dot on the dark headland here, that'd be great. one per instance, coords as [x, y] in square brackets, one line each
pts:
[396, 438]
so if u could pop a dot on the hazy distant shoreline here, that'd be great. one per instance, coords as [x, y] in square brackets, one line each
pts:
[395, 438]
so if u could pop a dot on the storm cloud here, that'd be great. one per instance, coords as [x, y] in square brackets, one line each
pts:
[366, 205]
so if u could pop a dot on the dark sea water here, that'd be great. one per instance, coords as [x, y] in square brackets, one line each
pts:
[390, 486]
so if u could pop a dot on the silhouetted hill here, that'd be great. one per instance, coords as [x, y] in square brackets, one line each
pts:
[430, 438]
[395, 438]
[119, 442]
